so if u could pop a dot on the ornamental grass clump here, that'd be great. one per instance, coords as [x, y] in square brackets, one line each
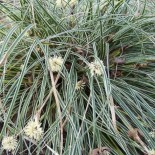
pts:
[84, 69]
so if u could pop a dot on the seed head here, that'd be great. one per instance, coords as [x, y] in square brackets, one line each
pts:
[33, 130]
[96, 68]
[9, 143]
[152, 152]
[55, 63]
[152, 134]
[61, 3]
[72, 3]
[79, 85]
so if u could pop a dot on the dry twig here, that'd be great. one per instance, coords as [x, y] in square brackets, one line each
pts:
[59, 109]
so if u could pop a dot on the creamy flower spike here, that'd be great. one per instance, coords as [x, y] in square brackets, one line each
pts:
[26, 34]
[60, 3]
[9, 143]
[96, 68]
[63, 3]
[152, 134]
[55, 63]
[79, 85]
[152, 152]
[33, 130]
[72, 2]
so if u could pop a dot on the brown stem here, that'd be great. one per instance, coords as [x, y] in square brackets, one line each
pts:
[138, 140]
[134, 134]
[59, 110]
[46, 99]
[4, 59]
[65, 121]
[113, 115]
